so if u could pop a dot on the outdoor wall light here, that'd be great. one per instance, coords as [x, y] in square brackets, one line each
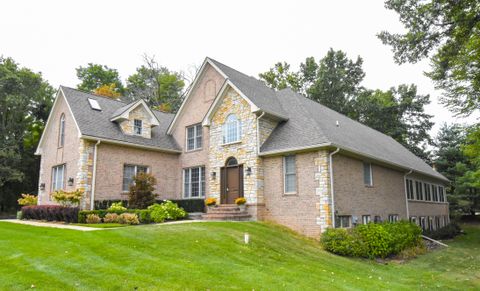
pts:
[249, 171]
[42, 186]
[70, 181]
[213, 175]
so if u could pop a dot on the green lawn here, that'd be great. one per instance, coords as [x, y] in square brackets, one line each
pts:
[213, 256]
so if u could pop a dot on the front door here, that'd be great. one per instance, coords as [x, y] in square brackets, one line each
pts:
[232, 183]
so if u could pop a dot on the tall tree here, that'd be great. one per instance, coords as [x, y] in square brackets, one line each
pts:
[280, 77]
[95, 76]
[157, 85]
[447, 32]
[25, 102]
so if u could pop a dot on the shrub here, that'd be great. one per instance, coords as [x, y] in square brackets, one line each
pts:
[166, 211]
[143, 215]
[117, 207]
[372, 240]
[51, 213]
[128, 218]
[67, 198]
[189, 205]
[210, 201]
[27, 200]
[447, 232]
[240, 201]
[141, 192]
[93, 218]
[109, 218]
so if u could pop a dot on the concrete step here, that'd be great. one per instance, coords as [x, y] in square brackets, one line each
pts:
[234, 217]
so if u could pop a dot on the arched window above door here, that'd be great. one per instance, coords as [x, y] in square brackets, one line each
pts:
[231, 162]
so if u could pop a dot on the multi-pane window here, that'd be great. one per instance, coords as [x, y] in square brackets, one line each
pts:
[129, 172]
[365, 219]
[413, 219]
[367, 174]
[428, 196]
[58, 176]
[435, 193]
[231, 129]
[419, 190]
[393, 217]
[194, 182]
[194, 137]
[61, 131]
[137, 126]
[441, 194]
[409, 187]
[377, 219]
[423, 223]
[342, 221]
[290, 174]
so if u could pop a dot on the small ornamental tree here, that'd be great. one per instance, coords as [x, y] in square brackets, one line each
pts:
[27, 200]
[141, 192]
[67, 198]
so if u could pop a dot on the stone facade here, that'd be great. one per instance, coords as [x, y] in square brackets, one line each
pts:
[266, 127]
[244, 151]
[322, 190]
[85, 171]
[139, 113]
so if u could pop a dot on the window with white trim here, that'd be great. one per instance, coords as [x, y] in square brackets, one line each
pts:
[393, 217]
[428, 196]
[194, 137]
[61, 131]
[290, 174]
[441, 194]
[58, 177]
[367, 174]
[435, 193]
[365, 219]
[129, 173]
[342, 221]
[137, 126]
[413, 219]
[194, 182]
[419, 190]
[423, 223]
[409, 187]
[232, 129]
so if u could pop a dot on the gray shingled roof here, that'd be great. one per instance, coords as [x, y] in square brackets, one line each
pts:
[97, 123]
[311, 123]
[254, 89]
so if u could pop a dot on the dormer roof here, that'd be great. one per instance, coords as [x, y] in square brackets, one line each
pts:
[123, 112]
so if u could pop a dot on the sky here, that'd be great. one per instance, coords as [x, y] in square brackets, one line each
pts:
[55, 37]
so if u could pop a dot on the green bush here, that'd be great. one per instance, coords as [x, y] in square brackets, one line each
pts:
[447, 232]
[117, 207]
[372, 240]
[166, 211]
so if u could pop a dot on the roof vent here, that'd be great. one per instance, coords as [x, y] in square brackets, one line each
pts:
[94, 104]
[337, 123]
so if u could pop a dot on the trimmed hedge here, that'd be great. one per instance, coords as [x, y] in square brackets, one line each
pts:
[372, 240]
[51, 213]
[143, 214]
[189, 205]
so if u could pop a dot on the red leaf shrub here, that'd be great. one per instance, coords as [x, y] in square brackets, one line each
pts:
[51, 213]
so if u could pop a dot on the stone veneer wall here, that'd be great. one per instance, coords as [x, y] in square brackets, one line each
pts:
[266, 126]
[244, 151]
[138, 113]
[322, 190]
[85, 171]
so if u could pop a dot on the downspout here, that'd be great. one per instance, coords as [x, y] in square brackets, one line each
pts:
[406, 195]
[258, 132]
[331, 184]
[94, 175]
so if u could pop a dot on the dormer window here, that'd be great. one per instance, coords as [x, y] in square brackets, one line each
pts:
[137, 126]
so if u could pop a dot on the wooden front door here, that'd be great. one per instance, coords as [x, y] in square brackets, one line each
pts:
[231, 183]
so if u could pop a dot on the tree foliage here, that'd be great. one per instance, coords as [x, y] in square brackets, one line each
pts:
[141, 192]
[447, 32]
[108, 90]
[95, 76]
[25, 102]
[335, 81]
[157, 85]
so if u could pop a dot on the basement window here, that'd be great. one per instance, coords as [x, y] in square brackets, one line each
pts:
[342, 221]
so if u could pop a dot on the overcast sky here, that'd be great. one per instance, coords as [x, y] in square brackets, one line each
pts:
[55, 37]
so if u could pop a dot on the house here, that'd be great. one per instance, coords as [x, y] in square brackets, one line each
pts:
[296, 162]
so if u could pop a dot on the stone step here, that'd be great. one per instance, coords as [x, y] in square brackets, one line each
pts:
[235, 217]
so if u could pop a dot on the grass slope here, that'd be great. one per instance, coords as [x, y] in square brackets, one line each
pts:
[213, 256]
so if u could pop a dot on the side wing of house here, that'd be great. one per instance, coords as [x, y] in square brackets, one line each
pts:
[59, 150]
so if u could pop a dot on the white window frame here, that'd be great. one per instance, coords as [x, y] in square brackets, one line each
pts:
[423, 188]
[201, 182]
[393, 218]
[366, 219]
[135, 127]
[370, 173]
[197, 133]
[339, 220]
[55, 182]
[135, 173]
[226, 126]
[61, 131]
[413, 219]
[289, 174]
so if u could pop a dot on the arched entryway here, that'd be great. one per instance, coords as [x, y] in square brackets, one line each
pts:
[231, 182]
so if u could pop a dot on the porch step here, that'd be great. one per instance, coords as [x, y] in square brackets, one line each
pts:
[226, 212]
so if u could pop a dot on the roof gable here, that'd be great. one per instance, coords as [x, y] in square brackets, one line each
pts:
[123, 113]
